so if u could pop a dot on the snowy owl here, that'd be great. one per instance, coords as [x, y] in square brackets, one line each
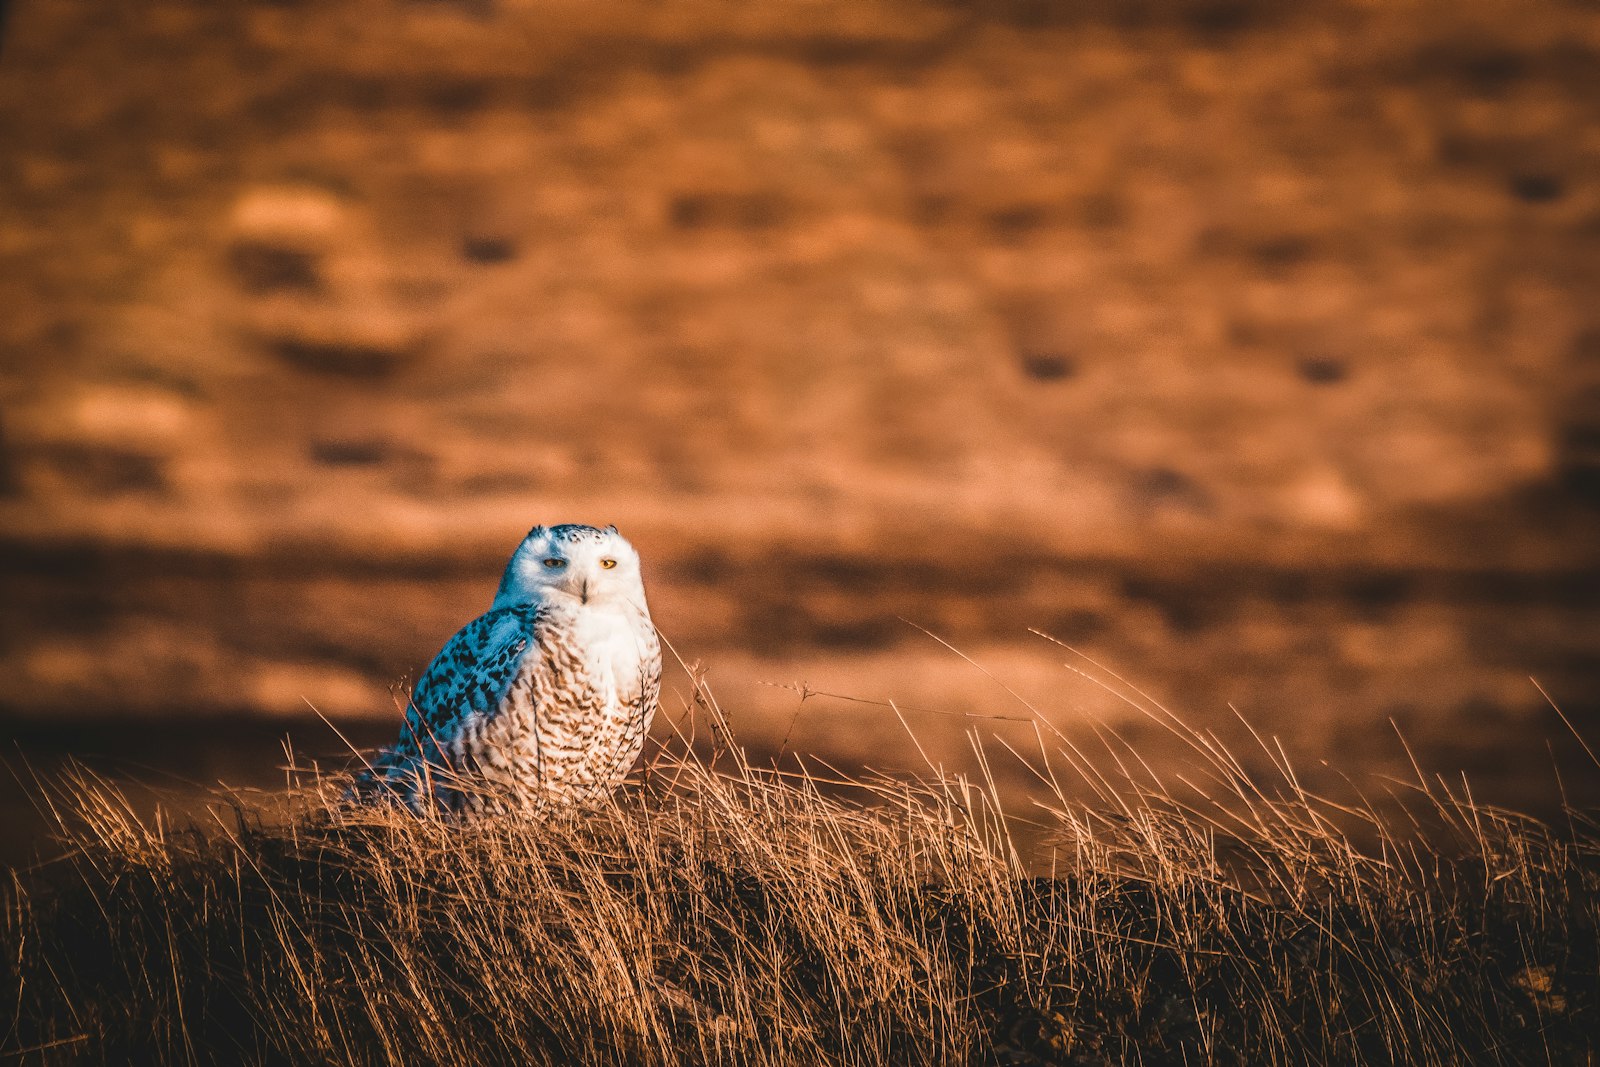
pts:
[543, 699]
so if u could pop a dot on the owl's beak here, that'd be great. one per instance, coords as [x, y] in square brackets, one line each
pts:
[583, 593]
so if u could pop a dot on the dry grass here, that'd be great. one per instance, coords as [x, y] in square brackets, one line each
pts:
[718, 913]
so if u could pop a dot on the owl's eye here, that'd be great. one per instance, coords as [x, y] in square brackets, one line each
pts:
[555, 564]
[608, 563]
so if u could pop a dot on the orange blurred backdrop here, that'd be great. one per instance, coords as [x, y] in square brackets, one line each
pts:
[1251, 349]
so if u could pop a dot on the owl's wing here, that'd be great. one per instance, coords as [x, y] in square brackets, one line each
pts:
[470, 677]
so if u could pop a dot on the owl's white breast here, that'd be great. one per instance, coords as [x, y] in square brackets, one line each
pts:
[616, 642]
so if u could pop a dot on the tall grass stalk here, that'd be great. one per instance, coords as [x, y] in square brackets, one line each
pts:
[721, 913]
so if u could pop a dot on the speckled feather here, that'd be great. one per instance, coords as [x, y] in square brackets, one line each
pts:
[544, 699]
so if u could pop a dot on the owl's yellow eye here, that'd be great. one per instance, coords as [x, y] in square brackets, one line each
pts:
[608, 563]
[555, 564]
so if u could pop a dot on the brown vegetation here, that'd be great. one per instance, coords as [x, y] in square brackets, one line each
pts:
[721, 914]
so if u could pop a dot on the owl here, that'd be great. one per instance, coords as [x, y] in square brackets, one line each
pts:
[542, 700]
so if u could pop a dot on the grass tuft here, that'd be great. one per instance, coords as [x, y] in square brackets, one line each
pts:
[719, 913]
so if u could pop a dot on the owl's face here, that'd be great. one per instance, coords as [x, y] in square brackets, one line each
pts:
[594, 566]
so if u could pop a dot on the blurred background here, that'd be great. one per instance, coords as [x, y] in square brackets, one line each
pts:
[1251, 348]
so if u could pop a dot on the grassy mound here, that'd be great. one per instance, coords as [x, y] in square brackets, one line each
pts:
[721, 914]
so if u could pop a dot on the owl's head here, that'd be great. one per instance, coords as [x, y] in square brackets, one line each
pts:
[593, 565]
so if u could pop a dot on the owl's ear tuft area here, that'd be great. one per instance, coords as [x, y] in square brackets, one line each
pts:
[611, 528]
[537, 531]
